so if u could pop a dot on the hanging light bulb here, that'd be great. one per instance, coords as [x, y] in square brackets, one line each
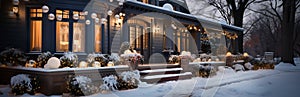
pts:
[117, 16]
[16, 2]
[86, 12]
[88, 22]
[51, 16]
[111, 0]
[75, 16]
[109, 12]
[97, 20]
[59, 17]
[103, 20]
[45, 9]
[94, 15]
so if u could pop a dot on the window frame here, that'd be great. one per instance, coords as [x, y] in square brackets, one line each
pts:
[30, 20]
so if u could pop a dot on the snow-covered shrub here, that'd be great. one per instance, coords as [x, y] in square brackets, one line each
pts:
[206, 70]
[248, 66]
[81, 86]
[22, 83]
[109, 83]
[69, 59]
[12, 57]
[174, 59]
[114, 57]
[102, 58]
[238, 67]
[43, 58]
[262, 64]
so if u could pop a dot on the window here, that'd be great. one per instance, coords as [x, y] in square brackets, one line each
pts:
[98, 38]
[65, 28]
[78, 37]
[144, 1]
[62, 36]
[36, 29]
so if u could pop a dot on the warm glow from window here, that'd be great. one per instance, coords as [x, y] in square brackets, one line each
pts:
[62, 36]
[36, 35]
[78, 37]
[97, 38]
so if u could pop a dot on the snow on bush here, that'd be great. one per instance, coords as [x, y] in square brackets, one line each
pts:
[238, 67]
[21, 79]
[109, 83]
[115, 58]
[248, 66]
[43, 59]
[102, 58]
[206, 70]
[69, 59]
[131, 76]
[81, 86]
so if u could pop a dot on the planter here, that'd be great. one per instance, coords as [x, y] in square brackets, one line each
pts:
[54, 81]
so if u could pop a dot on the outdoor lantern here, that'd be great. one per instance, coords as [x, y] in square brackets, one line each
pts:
[109, 12]
[15, 9]
[103, 20]
[51, 16]
[45, 9]
[88, 22]
[75, 16]
[59, 17]
[117, 16]
[97, 20]
[94, 15]
[245, 54]
[16, 2]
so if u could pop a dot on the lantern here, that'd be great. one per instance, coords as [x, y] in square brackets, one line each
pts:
[51, 16]
[45, 9]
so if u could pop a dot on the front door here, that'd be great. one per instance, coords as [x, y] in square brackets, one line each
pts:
[139, 40]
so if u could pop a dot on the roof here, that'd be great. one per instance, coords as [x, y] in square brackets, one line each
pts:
[202, 20]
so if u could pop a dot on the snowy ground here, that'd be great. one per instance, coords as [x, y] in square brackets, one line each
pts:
[284, 81]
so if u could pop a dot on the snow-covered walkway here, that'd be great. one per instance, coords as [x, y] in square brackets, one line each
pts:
[281, 82]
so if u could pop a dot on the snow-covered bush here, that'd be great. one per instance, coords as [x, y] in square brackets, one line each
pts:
[238, 67]
[102, 58]
[22, 83]
[114, 57]
[248, 66]
[206, 70]
[69, 59]
[131, 76]
[109, 83]
[12, 57]
[81, 86]
[43, 58]
[174, 59]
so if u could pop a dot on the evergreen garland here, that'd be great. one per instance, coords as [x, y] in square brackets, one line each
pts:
[13, 57]
[43, 58]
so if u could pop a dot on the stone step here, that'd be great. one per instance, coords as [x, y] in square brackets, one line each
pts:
[166, 77]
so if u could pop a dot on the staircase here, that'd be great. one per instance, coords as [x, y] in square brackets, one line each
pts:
[158, 73]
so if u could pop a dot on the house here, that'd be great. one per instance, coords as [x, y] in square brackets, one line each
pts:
[100, 26]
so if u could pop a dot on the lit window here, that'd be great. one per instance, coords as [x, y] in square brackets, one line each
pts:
[97, 38]
[36, 29]
[78, 37]
[36, 35]
[62, 36]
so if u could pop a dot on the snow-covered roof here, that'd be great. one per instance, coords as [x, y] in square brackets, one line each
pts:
[200, 19]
